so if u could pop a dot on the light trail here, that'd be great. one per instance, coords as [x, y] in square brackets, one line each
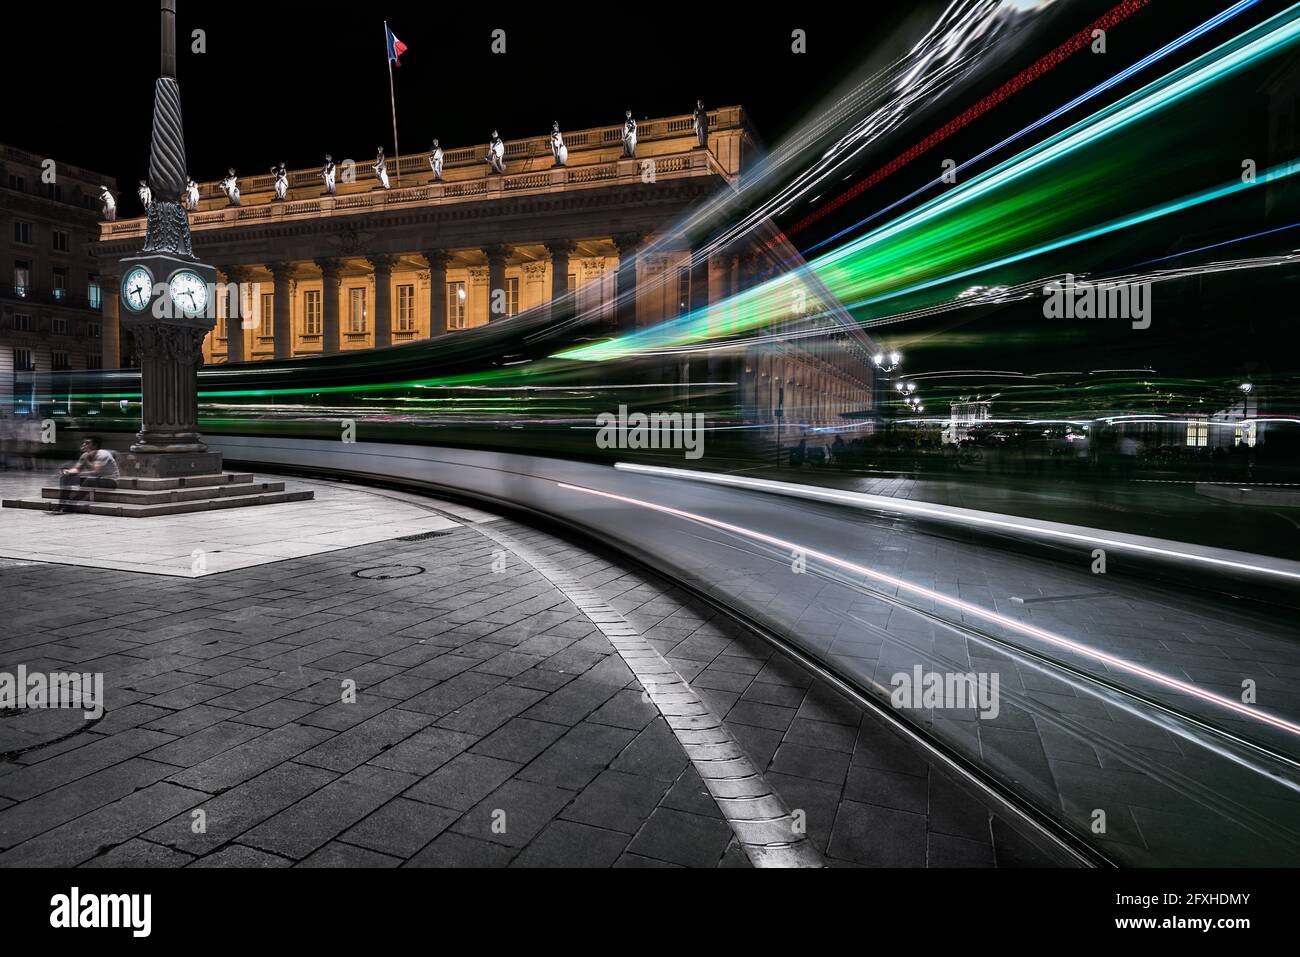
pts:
[878, 502]
[1115, 16]
[1033, 631]
[1060, 111]
[904, 249]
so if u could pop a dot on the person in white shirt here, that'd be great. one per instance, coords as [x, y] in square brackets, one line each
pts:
[97, 468]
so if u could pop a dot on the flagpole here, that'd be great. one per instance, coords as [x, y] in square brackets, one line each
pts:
[392, 96]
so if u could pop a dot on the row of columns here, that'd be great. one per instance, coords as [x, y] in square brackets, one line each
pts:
[437, 260]
[332, 308]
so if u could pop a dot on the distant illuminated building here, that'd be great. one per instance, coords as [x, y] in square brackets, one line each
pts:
[50, 301]
[964, 417]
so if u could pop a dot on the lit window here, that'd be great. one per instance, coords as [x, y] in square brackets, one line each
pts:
[406, 308]
[223, 310]
[512, 296]
[455, 305]
[1198, 433]
[311, 312]
[94, 296]
[22, 277]
[357, 310]
[60, 284]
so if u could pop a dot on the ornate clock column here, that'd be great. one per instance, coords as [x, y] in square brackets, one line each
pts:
[167, 301]
[169, 327]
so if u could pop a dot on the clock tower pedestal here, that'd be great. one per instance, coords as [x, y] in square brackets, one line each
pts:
[169, 304]
[170, 345]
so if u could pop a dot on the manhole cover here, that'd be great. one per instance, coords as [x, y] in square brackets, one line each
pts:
[389, 571]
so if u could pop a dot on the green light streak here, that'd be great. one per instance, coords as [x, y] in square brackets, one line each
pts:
[947, 238]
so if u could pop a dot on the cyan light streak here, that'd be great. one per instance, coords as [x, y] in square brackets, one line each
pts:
[1082, 98]
[1156, 212]
[842, 270]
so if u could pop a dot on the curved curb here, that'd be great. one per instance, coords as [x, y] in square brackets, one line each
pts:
[762, 823]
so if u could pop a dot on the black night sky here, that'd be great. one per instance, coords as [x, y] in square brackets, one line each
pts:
[293, 81]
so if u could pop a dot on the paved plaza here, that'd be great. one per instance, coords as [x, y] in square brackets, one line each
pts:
[494, 722]
[207, 543]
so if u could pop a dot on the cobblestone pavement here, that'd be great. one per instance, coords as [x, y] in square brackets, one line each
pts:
[493, 723]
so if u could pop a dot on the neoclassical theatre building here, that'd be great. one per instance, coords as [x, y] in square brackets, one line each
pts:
[370, 267]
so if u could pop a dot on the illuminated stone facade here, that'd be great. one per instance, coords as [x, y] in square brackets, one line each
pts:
[371, 268]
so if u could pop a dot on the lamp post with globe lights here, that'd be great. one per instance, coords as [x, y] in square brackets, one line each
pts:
[885, 363]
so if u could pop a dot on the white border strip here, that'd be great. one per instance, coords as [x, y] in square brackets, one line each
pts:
[1176, 551]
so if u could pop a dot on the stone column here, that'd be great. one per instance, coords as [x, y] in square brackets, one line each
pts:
[437, 260]
[625, 283]
[383, 267]
[332, 276]
[170, 356]
[725, 262]
[238, 300]
[282, 322]
[110, 326]
[699, 280]
[560, 250]
[496, 258]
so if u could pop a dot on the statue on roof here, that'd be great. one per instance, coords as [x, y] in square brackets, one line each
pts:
[629, 134]
[558, 149]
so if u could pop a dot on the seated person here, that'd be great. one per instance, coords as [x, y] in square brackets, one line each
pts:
[97, 468]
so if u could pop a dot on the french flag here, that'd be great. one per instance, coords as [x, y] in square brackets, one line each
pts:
[395, 46]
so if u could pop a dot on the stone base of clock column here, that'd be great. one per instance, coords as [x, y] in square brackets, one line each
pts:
[169, 464]
[170, 355]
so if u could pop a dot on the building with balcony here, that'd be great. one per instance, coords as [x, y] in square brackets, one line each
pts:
[50, 288]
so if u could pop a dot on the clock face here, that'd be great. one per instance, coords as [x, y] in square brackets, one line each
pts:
[189, 293]
[137, 288]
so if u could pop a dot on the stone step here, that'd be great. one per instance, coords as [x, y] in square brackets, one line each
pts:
[170, 508]
[128, 496]
[187, 481]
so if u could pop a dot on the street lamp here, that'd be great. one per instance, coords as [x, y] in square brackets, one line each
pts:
[887, 362]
